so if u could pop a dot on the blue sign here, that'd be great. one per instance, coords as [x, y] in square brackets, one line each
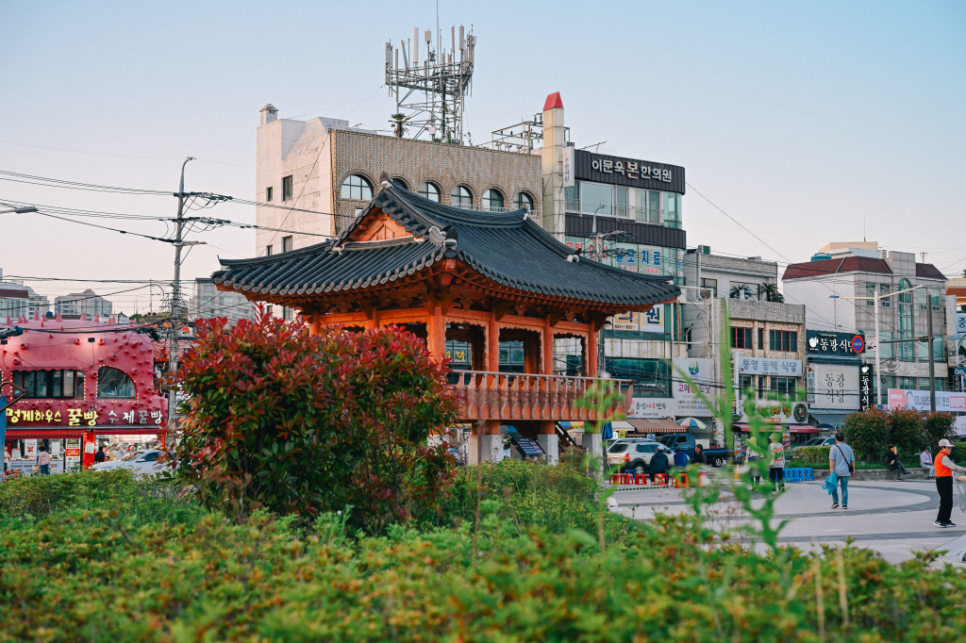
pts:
[858, 344]
[959, 371]
[528, 448]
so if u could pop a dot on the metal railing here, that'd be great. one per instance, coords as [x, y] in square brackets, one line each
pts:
[573, 205]
[487, 395]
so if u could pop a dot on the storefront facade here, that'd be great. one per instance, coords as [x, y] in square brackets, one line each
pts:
[83, 382]
[835, 376]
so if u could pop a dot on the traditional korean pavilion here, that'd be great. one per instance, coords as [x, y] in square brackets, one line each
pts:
[479, 278]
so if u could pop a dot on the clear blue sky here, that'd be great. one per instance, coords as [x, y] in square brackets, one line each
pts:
[801, 120]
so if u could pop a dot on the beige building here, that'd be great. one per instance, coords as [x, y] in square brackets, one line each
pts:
[324, 166]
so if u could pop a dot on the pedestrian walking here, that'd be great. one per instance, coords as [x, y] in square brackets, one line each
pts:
[893, 463]
[944, 483]
[925, 461]
[776, 470]
[43, 461]
[842, 464]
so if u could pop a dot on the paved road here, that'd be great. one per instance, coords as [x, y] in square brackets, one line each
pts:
[894, 518]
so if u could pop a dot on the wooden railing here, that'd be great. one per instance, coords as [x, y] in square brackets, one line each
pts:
[485, 395]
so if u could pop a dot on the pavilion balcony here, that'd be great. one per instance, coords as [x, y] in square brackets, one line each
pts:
[486, 395]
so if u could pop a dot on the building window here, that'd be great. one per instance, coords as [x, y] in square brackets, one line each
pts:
[937, 350]
[268, 195]
[921, 296]
[288, 314]
[761, 387]
[287, 244]
[710, 284]
[492, 201]
[596, 199]
[512, 357]
[672, 210]
[745, 383]
[572, 197]
[885, 289]
[429, 190]
[741, 337]
[399, 183]
[58, 384]
[652, 377]
[783, 385]
[761, 339]
[935, 294]
[461, 197]
[905, 321]
[907, 383]
[654, 207]
[114, 384]
[356, 187]
[286, 188]
[783, 340]
[268, 250]
[523, 201]
[870, 292]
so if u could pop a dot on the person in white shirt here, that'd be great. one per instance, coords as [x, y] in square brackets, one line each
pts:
[925, 461]
[776, 470]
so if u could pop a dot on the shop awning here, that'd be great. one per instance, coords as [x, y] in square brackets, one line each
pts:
[131, 429]
[655, 426]
[42, 433]
[774, 428]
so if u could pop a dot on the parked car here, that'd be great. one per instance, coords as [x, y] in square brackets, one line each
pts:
[141, 462]
[632, 454]
[716, 456]
[813, 442]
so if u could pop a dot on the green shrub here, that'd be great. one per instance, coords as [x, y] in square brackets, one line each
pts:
[813, 455]
[906, 431]
[91, 575]
[937, 426]
[868, 434]
[301, 424]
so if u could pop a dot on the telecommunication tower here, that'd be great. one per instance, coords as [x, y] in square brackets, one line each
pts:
[430, 93]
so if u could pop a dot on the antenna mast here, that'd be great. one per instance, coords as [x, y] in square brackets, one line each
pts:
[430, 93]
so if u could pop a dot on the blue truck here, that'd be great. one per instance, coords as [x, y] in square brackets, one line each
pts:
[716, 456]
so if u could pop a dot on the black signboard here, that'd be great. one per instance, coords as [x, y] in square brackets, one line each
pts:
[528, 448]
[866, 395]
[617, 170]
[831, 344]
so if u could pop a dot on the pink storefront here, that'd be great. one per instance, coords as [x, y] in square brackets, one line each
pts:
[82, 379]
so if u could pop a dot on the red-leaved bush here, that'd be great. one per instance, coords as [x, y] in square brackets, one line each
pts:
[293, 423]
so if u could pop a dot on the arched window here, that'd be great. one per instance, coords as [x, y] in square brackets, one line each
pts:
[356, 187]
[461, 197]
[492, 201]
[429, 190]
[523, 201]
[905, 350]
[114, 384]
[399, 183]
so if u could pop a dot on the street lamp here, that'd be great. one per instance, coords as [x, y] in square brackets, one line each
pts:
[878, 341]
[23, 210]
[595, 218]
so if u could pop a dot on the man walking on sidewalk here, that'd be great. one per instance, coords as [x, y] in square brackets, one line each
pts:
[842, 464]
[944, 483]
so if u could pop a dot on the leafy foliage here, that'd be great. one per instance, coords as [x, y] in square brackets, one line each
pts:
[813, 455]
[93, 574]
[302, 424]
[872, 431]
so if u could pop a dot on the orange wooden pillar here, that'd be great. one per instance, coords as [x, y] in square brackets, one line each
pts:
[436, 334]
[313, 321]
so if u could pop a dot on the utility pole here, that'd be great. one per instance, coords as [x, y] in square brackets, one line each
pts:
[932, 360]
[175, 319]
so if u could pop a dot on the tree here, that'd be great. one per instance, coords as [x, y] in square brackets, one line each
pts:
[301, 424]
[868, 434]
[770, 292]
[738, 291]
[906, 431]
[935, 427]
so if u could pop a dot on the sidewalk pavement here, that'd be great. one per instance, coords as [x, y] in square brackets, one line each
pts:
[893, 518]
